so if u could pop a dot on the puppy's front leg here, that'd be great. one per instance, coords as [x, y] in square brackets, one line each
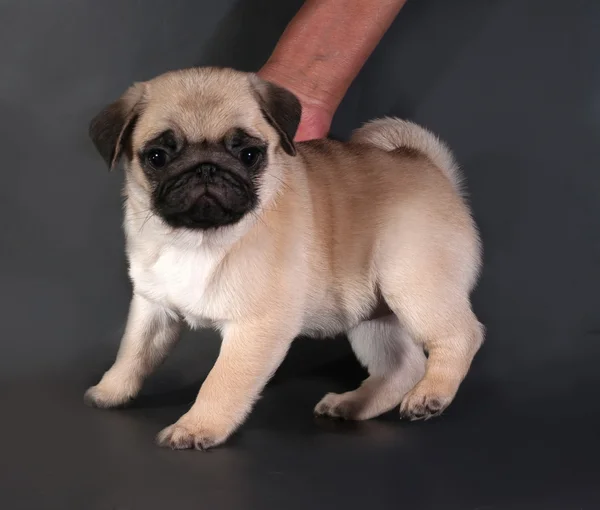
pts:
[249, 356]
[149, 335]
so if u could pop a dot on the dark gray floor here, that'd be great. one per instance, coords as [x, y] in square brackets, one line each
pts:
[513, 86]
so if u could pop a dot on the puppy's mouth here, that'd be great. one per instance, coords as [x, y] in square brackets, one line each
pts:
[204, 200]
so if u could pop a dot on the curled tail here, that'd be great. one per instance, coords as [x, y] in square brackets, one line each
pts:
[391, 133]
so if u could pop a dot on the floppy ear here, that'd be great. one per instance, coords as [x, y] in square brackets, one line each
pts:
[111, 129]
[280, 108]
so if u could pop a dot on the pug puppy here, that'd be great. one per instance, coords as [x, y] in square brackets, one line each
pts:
[230, 224]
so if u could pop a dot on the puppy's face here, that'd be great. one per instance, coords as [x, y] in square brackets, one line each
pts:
[203, 184]
[205, 144]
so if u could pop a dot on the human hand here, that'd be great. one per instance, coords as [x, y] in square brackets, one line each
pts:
[316, 115]
[314, 123]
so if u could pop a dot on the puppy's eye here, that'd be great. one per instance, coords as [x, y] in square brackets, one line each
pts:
[157, 158]
[250, 156]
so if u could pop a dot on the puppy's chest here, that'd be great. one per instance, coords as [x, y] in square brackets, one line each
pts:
[183, 282]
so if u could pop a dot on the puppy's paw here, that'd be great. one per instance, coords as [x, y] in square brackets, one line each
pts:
[424, 402]
[341, 406]
[186, 434]
[105, 396]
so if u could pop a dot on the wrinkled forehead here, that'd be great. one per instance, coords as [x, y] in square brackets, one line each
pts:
[200, 107]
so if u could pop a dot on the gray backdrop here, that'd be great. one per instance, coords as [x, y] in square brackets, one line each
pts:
[512, 85]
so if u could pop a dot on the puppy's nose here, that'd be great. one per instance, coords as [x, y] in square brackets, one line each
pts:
[207, 170]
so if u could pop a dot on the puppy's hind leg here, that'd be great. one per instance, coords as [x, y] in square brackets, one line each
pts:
[447, 328]
[395, 364]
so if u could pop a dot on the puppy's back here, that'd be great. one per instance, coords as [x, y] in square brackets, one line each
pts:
[385, 184]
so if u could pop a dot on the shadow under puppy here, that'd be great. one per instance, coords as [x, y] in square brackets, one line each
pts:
[231, 225]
